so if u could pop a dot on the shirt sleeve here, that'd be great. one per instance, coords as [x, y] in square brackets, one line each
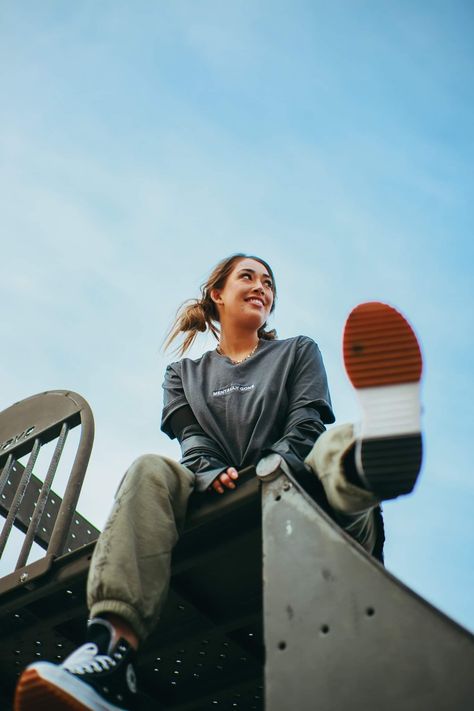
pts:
[173, 397]
[309, 406]
[199, 452]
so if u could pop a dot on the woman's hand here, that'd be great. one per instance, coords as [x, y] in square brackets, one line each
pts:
[226, 479]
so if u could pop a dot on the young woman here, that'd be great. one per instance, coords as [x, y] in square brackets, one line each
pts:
[256, 400]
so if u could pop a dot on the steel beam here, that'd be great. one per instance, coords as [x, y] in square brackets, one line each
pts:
[340, 631]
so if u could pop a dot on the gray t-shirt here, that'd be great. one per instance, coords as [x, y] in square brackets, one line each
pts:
[249, 409]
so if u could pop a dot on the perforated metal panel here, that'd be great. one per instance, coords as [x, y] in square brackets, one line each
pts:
[81, 531]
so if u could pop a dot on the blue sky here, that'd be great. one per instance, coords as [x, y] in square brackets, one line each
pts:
[141, 142]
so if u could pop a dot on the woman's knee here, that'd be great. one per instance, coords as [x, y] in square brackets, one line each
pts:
[152, 470]
[148, 463]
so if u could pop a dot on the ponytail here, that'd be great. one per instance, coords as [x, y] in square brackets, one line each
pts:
[193, 317]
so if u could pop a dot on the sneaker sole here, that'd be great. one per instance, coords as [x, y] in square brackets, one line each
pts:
[45, 687]
[384, 364]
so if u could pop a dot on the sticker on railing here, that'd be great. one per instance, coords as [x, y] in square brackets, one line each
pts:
[18, 438]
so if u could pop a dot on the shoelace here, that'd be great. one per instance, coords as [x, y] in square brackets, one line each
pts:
[86, 660]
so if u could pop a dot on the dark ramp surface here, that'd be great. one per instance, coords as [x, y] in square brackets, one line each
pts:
[207, 650]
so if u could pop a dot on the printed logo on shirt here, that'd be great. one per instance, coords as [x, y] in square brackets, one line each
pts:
[232, 388]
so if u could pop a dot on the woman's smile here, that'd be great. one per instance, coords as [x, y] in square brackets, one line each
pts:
[256, 301]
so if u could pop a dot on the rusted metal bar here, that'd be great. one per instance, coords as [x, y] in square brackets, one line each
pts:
[67, 510]
[42, 498]
[7, 469]
[20, 492]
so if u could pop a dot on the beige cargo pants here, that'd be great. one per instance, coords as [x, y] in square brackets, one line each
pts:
[130, 569]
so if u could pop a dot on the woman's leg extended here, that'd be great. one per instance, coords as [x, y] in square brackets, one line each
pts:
[383, 360]
[353, 505]
[130, 568]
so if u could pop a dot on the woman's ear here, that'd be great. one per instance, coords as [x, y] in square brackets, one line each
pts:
[216, 296]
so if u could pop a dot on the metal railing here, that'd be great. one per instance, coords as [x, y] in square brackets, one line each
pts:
[27, 502]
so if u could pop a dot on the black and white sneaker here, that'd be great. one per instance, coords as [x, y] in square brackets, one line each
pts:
[98, 676]
[383, 360]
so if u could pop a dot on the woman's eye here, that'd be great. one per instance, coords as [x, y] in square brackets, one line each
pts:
[267, 282]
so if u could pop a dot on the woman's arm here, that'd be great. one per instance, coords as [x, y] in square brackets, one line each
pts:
[298, 439]
[309, 406]
[200, 453]
[197, 449]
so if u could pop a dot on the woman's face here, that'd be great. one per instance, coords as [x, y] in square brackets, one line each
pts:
[247, 296]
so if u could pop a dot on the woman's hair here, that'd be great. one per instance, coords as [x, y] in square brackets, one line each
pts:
[200, 315]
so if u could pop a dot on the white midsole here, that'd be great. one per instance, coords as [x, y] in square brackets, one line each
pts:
[389, 411]
[75, 687]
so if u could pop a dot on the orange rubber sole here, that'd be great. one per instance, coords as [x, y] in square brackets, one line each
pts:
[33, 693]
[380, 347]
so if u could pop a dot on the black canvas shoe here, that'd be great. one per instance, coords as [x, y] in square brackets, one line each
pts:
[383, 361]
[98, 676]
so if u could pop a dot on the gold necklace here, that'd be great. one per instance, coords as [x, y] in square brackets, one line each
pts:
[236, 362]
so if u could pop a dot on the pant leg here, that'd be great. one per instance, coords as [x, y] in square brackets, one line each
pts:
[353, 506]
[130, 568]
